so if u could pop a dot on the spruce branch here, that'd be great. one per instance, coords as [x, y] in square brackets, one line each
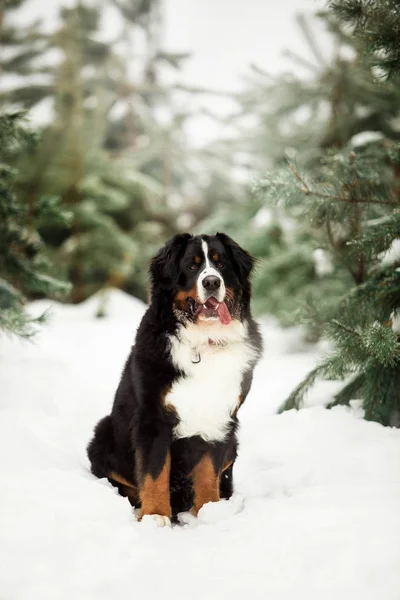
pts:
[345, 328]
[300, 60]
[310, 38]
[331, 365]
[349, 392]
[296, 398]
[305, 189]
[329, 232]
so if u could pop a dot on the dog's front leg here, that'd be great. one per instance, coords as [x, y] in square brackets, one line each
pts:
[205, 478]
[153, 466]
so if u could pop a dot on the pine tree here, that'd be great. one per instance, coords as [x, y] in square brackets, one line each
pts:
[376, 24]
[344, 193]
[24, 267]
[319, 105]
[129, 178]
[105, 194]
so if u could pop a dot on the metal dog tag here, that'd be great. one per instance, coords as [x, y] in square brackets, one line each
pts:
[196, 358]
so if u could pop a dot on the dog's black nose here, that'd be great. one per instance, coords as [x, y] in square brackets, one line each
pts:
[211, 283]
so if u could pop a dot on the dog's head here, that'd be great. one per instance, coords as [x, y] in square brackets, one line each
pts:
[202, 278]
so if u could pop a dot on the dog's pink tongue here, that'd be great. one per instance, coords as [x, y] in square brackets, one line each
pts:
[224, 314]
[222, 310]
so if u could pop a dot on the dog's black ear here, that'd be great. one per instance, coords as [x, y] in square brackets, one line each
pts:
[164, 266]
[242, 261]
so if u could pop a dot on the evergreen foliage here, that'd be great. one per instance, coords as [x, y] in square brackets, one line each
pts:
[306, 114]
[128, 177]
[341, 188]
[24, 266]
[71, 161]
[376, 23]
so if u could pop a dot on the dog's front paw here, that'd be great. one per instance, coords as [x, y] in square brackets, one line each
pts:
[158, 520]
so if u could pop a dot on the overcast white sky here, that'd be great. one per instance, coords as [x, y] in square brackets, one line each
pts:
[223, 36]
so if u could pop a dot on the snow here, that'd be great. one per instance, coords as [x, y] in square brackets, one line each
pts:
[263, 218]
[322, 262]
[366, 137]
[392, 255]
[315, 514]
[395, 318]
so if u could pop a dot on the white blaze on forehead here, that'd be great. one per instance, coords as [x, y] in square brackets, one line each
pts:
[204, 247]
[209, 270]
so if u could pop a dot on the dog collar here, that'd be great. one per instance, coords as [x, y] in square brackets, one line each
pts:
[218, 343]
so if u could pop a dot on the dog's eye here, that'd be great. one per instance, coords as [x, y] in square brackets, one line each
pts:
[194, 267]
[220, 265]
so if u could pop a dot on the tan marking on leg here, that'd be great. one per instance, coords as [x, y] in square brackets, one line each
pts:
[120, 479]
[128, 489]
[154, 493]
[132, 494]
[205, 483]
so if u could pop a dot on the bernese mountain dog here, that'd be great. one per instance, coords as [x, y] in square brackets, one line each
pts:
[170, 442]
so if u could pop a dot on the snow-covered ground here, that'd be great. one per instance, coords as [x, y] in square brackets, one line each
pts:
[315, 514]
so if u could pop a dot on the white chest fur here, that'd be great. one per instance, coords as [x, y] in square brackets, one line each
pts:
[207, 395]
